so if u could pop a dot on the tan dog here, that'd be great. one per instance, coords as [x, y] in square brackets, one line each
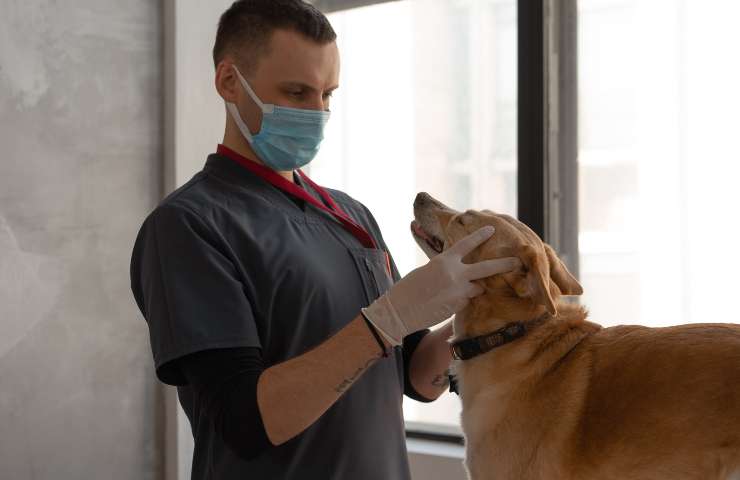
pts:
[562, 398]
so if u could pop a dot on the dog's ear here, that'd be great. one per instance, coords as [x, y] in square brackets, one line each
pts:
[559, 273]
[535, 283]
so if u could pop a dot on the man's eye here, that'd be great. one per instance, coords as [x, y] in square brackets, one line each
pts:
[296, 93]
[328, 94]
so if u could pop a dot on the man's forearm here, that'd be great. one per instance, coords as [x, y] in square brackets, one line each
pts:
[293, 394]
[430, 363]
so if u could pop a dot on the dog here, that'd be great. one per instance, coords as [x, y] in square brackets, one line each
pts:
[547, 394]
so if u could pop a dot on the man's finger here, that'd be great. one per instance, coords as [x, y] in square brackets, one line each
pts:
[486, 268]
[468, 244]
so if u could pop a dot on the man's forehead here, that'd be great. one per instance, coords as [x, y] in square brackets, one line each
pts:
[292, 57]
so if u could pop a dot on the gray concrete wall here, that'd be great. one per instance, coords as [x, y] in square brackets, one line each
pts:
[80, 167]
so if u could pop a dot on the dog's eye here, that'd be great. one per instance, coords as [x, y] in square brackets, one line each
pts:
[463, 219]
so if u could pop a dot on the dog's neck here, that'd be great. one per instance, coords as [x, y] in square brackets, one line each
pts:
[470, 325]
[472, 347]
[489, 318]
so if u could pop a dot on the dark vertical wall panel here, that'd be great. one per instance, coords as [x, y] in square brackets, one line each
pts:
[530, 124]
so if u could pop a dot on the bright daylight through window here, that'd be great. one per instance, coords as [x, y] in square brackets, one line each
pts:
[427, 102]
[658, 160]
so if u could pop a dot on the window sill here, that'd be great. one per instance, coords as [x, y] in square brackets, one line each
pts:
[435, 448]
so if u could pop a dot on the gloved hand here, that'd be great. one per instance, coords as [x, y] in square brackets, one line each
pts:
[434, 292]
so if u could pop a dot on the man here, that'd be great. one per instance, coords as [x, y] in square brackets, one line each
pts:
[273, 304]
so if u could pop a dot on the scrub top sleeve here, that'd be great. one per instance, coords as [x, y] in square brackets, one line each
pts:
[188, 290]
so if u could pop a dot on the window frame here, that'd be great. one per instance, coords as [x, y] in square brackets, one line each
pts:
[331, 6]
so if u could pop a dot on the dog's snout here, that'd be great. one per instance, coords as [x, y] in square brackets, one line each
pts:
[422, 198]
[424, 201]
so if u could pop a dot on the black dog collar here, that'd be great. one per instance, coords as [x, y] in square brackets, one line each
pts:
[472, 347]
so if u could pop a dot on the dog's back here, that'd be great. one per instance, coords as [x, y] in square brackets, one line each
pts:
[661, 400]
[625, 403]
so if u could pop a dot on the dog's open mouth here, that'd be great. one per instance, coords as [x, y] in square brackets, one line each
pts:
[434, 242]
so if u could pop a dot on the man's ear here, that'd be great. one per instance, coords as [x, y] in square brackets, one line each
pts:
[559, 273]
[535, 284]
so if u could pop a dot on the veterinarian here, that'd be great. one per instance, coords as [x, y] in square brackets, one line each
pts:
[272, 303]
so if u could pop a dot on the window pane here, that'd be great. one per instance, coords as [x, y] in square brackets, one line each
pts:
[658, 160]
[427, 102]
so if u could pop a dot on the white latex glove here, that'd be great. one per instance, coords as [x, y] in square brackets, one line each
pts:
[434, 292]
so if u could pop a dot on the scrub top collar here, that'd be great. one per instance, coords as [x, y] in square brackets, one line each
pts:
[232, 169]
[232, 172]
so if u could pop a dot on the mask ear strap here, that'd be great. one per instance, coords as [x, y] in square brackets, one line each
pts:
[266, 108]
[231, 107]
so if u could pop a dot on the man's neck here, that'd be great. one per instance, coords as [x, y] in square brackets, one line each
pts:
[240, 146]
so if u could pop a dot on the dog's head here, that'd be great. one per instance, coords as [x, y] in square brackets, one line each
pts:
[540, 281]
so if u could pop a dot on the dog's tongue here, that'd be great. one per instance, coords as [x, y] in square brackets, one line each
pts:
[416, 227]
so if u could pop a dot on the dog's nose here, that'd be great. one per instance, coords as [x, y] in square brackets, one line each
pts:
[421, 199]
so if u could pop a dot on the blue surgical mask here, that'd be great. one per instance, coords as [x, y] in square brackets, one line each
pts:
[288, 138]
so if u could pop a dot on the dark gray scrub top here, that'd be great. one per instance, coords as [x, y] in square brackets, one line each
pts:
[241, 264]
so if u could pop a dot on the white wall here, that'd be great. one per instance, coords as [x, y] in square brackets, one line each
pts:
[81, 167]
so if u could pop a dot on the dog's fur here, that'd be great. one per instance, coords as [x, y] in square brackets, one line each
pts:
[573, 400]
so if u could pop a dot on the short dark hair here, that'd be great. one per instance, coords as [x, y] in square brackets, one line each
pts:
[244, 30]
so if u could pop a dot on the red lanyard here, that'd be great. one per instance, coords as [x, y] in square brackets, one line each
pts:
[287, 186]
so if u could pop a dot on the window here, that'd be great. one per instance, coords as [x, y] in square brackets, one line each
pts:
[427, 102]
[658, 160]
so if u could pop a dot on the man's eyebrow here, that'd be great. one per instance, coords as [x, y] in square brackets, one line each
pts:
[305, 86]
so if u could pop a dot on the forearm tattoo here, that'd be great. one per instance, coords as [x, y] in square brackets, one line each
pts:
[347, 382]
